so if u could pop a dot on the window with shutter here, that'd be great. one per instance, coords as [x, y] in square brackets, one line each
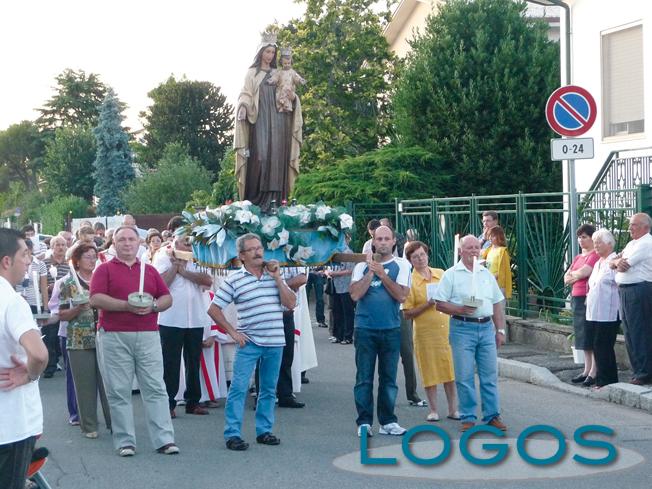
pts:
[622, 82]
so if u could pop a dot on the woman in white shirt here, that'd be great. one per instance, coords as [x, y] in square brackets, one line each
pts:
[602, 305]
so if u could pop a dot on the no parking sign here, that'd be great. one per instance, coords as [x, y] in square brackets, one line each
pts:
[570, 111]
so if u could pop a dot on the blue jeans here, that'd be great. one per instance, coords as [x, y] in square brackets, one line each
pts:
[386, 345]
[243, 367]
[474, 344]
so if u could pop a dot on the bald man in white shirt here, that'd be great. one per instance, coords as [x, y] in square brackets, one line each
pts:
[634, 279]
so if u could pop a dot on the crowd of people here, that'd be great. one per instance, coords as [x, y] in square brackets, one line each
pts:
[390, 304]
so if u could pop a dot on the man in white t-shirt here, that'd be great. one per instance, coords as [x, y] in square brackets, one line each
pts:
[634, 279]
[23, 356]
[182, 326]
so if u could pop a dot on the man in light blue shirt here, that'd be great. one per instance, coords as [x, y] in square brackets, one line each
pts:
[475, 332]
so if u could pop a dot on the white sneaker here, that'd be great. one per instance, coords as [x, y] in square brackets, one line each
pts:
[392, 429]
[370, 432]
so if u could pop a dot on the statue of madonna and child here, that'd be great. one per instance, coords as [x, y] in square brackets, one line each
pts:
[268, 127]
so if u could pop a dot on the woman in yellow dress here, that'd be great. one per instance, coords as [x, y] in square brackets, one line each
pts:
[498, 261]
[431, 346]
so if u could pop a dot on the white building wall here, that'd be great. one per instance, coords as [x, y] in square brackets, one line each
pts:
[590, 19]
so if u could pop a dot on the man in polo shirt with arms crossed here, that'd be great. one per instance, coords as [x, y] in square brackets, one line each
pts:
[259, 293]
[379, 287]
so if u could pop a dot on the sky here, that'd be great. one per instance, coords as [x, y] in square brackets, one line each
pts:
[133, 45]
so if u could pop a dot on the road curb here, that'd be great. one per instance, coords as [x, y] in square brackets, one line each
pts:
[635, 396]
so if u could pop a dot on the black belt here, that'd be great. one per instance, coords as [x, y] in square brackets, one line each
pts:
[467, 319]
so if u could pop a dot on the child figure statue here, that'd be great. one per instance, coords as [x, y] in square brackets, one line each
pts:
[285, 80]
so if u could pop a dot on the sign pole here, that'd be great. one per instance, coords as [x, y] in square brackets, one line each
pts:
[571, 112]
[573, 208]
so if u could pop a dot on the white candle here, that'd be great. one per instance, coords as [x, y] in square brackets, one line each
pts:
[37, 291]
[474, 284]
[456, 247]
[141, 285]
[75, 278]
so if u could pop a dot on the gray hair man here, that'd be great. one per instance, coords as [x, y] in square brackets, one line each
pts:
[634, 279]
[259, 293]
[476, 330]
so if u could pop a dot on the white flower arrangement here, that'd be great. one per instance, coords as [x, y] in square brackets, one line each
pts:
[286, 228]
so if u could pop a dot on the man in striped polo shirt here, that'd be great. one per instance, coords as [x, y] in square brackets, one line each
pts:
[259, 293]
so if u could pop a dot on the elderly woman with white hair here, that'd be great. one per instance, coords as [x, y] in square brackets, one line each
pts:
[602, 305]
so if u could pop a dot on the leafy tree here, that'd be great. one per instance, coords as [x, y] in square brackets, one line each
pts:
[168, 187]
[76, 101]
[113, 161]
[68, 162]
[21, 151]
[476, 96]
[193, 113]
[54, 213]
[339, 48]
[18, 197]
[376, 176]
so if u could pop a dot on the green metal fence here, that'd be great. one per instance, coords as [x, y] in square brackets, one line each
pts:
[363, 213]
[537, 233]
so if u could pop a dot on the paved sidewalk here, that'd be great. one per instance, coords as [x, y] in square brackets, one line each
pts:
[554, 370]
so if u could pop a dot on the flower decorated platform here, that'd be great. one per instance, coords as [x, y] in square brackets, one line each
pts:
[294, 235]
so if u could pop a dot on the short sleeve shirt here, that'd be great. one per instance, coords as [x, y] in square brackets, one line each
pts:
[117, 279]
[26, 288]
[377, 309]
[189, 301]
[581, 287]
[456, 285]
[257, 300]
[21, 412]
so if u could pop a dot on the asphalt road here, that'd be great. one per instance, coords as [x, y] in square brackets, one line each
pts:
[314, 437]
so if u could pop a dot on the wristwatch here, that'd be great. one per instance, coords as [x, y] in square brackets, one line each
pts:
[501, 331]
[154, 306]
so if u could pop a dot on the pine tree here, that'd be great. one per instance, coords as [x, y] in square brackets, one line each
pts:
[113, 163]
